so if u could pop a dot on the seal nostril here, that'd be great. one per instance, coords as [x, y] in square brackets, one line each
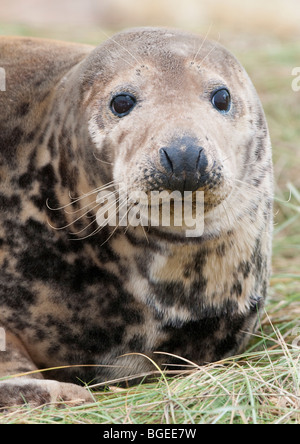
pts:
[198, 159]
[167, 162]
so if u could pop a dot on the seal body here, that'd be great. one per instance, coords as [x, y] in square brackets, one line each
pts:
[148, 110]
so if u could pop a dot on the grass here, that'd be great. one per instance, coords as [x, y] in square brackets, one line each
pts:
[254, 388]
[262, 385]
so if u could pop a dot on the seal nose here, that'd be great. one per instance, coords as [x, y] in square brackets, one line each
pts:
[184, 162]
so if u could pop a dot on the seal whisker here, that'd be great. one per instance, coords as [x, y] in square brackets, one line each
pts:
[86, 206]
[121, 46]
[115, 193]
[232, 155]
[251, 163]
[241, 188]
[145, 234]
[74, 221]
[89, 235]
[102, 161]
[78, 218]
[128, 226]
[85, 228]
[97, 189]
[237, 220]
[83, 196]
[93, 191]
[209, 52]
[253, 188]
[202, 43]
[225, 210]
[124, 60]
[227, 158]
[125, 215]
[99, 228]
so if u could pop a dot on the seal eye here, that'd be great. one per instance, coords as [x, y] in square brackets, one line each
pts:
[122, 104]
[221, 100]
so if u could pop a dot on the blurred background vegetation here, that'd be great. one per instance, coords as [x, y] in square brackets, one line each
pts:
[265, 37]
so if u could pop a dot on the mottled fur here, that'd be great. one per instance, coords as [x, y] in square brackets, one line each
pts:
[71, 301]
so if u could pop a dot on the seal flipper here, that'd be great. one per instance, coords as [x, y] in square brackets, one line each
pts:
[32, 388]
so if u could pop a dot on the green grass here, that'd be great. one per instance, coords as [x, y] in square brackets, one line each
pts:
[263, 385]
[254, 388]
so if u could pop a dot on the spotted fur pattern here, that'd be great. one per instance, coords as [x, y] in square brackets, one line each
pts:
[71, 294]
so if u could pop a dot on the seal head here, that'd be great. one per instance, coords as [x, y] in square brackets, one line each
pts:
[172, 111]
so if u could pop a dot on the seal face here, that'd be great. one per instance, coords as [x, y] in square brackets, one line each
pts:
[149, 111]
